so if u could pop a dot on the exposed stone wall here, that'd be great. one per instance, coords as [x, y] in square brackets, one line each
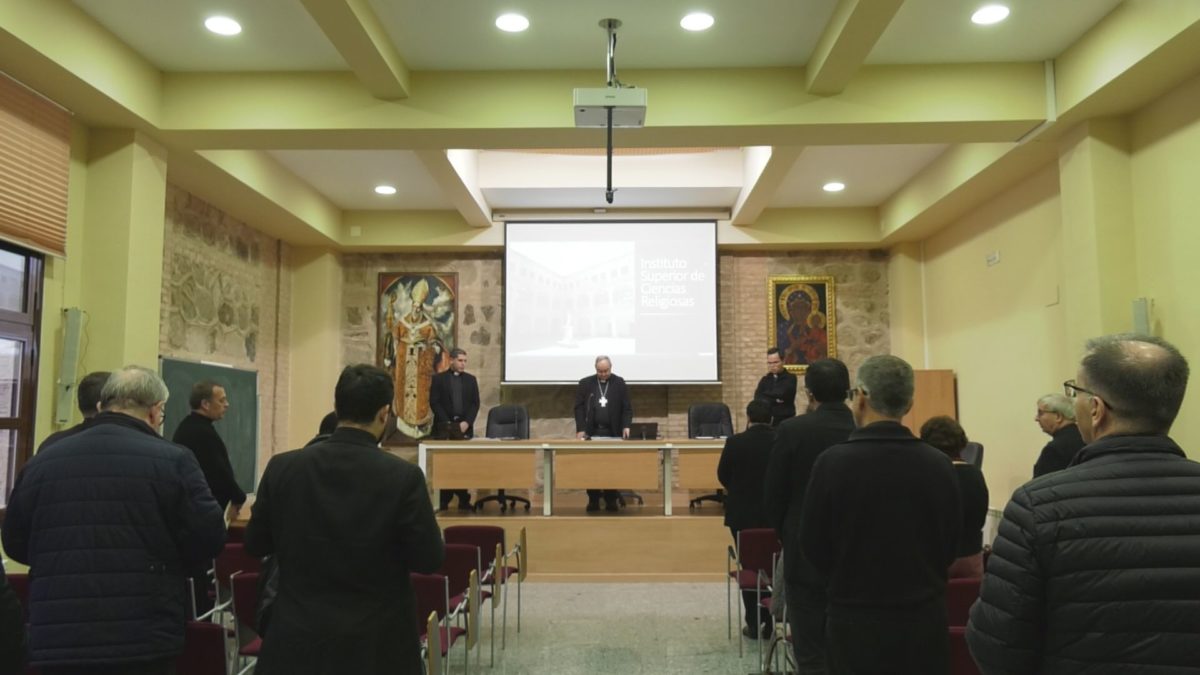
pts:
[862, 328]
[224, 300]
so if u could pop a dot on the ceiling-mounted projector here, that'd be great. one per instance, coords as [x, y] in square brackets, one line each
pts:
[628, 107]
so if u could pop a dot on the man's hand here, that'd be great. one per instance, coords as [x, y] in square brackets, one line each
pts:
[463, 425]
[625, 433]
[233, 511]
[579, 435]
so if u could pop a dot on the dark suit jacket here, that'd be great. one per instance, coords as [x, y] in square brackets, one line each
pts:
[780, 394]
[197, 433]
[620, 410]
[881, 519]
[347, 522]
[742, 469]
[67, 433]
[442, 402]
[1059, 452]
[798, 443]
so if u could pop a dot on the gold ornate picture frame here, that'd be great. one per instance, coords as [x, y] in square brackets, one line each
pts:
[801, 319]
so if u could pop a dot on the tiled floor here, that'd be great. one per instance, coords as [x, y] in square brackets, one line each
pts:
[619, 628]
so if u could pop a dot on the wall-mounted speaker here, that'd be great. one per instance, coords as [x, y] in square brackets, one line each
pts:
[68, 367]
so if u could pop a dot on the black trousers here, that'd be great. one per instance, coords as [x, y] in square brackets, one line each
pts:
[610, 496]
[464, 498]
[158, 667]
[806, 616]
[755, 616]
[905, 641]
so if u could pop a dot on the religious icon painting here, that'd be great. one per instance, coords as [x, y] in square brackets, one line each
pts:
[801, 319]
[418, 323]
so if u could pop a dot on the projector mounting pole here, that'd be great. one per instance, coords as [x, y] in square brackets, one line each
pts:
[610, 26]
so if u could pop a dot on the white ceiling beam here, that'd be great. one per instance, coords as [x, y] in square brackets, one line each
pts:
[457, 173]
[355, 30]
[765, 169]
[851, 33]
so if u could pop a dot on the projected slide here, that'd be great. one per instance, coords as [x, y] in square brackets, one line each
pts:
[642, 293]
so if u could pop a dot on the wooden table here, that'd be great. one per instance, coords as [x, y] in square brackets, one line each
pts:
[570, 464]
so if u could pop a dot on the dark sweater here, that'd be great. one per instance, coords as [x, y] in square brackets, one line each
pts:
[881, 519]
[1059, 452]
[972, 489]
[196, 433]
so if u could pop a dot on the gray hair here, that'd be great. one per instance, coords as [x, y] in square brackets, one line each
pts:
[133, 388]
[1058, 403]
[1141, 378]
[888, 382]
[603, 358]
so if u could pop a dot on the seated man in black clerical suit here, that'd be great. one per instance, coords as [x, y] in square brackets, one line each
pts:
[602, 408]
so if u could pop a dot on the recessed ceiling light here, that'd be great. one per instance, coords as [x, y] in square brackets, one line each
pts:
[222, 25]
[512, 23]
[833, 186]
[697, 21]
[989, 14]
[385, 190]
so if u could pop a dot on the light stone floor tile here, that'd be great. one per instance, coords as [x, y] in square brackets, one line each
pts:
[625, 629]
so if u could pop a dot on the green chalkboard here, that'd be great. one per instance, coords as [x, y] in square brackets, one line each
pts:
[239, 427]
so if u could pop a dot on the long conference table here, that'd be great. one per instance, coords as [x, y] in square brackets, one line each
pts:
[569, 464]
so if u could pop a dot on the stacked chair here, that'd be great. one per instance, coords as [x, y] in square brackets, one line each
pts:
[453, 622]
[752, 565]
[496, 570]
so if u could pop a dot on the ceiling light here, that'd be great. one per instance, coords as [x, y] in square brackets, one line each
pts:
[222, 25]
[697, 21]
[512, 23]
[833, 186]
[989, 14]
[385, 190]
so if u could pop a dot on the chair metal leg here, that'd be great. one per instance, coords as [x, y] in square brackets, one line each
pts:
[519, 600]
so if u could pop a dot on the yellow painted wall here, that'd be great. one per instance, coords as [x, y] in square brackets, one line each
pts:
[316, 347]
[1000, 327]
[1166, 212]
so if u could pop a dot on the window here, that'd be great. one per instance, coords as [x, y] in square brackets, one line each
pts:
[20, 318]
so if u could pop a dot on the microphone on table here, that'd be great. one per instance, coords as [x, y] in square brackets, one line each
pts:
[587, 417]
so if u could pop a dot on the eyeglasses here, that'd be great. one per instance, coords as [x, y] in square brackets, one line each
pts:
[858, 391]
[1073, 390]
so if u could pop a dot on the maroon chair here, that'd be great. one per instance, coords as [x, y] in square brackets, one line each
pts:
[960, 595]
[431, 593]
[460, 561]
[203, 650]
[961, 662]
[244, 586]
[752, 566]
[236, 534]
[495, 572]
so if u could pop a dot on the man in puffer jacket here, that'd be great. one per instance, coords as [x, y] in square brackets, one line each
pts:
[108, 520]
[1097, 567]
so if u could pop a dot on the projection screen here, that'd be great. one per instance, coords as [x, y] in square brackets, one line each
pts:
[643, 293]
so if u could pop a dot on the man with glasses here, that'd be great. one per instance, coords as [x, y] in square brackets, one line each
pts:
[880, 523]
[1056, 416]
[1095, 567]
[777, 389]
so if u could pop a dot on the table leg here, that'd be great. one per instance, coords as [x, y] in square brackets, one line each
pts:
[667, 476]
[547, 480]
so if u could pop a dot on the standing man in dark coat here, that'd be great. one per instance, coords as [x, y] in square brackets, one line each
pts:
[880, 522]
[798, 443]
[454, 399]
[602, 408]
[742, 469]
[197, 433]
[1056, 416]
[777, 388]
[1095, 566]
[108, 521]
[88, 397]
[346, 523]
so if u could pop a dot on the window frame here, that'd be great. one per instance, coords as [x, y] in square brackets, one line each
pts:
[26, 327]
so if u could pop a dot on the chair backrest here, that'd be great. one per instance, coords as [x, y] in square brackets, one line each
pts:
[483, 536]
[460, 561]
[203, 649]
[245, 598]
[709, 419]
[234, 558]
[508, 421]
[960, 595]
[757, 549]
[973, 454]
[429, 592]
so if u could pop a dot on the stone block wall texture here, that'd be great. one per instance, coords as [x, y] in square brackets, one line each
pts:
[862, 329]
[226, 297]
